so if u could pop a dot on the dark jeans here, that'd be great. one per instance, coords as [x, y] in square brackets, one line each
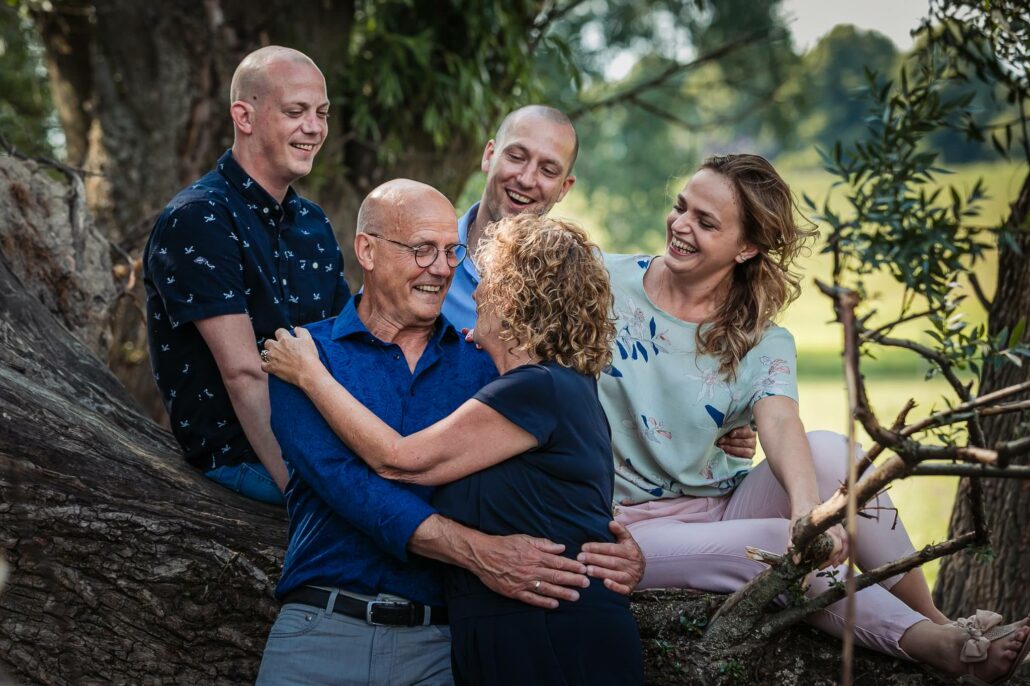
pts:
[250, 479]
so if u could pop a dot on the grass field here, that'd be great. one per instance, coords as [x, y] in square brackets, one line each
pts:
[896, 375]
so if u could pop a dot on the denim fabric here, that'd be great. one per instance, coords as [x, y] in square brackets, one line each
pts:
[249, 479]
[311, 646]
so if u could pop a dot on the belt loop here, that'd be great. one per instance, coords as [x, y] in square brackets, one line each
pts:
[426, 616]
[332, 602]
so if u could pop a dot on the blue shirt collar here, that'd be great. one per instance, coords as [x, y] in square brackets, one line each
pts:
[465, 222]
[348, 324]
[252, 192]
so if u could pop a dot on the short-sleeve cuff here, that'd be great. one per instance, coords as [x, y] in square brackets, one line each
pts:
[193, 312]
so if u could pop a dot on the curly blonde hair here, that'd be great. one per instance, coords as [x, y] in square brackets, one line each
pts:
[765, 284]
[550, 291]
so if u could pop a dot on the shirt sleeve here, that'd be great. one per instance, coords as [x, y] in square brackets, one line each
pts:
[385, 511]
[772, 367]
[525, 397]
[195, 263]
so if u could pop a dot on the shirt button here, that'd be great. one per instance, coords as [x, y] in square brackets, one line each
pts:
[265, 210]
[284, 282]
[397, 356]
[314, 265]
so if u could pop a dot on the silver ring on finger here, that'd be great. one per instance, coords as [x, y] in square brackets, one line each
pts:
[536, 586]
[264, 356]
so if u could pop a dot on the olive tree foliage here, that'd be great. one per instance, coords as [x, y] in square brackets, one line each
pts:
[902, 218]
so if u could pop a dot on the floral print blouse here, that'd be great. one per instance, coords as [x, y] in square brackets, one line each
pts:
[667, 406]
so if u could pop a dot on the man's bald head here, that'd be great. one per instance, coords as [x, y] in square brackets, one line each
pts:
[547, 112]
[394, 207]
[252, 79]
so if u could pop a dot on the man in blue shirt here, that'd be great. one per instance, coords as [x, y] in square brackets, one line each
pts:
[362, 595]
[232, 258]
[528, 166]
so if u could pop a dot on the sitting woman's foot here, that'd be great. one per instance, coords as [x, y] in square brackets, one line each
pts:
[978, 648]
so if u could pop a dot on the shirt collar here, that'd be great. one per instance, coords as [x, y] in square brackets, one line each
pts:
[254, 195]
[464, 224]
[349, 324]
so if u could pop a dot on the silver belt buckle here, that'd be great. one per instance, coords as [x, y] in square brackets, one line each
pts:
[372, 604]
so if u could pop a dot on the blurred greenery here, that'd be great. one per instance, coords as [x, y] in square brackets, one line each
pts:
[27, 117]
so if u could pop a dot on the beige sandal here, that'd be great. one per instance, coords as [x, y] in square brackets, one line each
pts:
[984, 628]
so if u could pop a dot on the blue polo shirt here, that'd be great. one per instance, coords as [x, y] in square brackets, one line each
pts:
[458, 306]
[349, 528]
[225, 246]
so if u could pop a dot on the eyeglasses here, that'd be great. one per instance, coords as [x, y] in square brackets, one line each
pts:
[426, 253]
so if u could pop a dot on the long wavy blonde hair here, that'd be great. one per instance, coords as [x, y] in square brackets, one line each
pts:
[765, 284]
[550, 289]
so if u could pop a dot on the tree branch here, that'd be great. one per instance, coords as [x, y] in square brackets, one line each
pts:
[792, 615]
[673, 70]
[1010, 472]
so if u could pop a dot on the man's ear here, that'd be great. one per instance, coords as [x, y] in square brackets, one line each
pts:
[567, 184]
[488, 153]
[363, 251]
[242, 116]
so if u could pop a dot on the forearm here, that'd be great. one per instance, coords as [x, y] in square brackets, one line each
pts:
[372, 439]
[531, 570]
[445, 540]
[786, 447]
[248, 393]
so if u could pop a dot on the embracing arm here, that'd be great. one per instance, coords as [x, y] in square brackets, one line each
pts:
[399, 521]
[470, 439]
[790, 458]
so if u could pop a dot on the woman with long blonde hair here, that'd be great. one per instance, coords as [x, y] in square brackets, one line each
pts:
[696, 354]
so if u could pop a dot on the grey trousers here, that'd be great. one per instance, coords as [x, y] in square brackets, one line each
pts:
[315, 647]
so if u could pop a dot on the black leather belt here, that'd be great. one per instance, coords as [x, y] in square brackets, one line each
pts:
[376, 612]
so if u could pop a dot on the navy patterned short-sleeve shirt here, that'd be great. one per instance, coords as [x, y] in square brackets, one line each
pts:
[225, 246]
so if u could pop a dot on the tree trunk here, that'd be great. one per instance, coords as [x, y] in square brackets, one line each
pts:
[127, 566]
[965, 582]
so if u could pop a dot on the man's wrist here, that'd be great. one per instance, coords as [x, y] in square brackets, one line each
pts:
[445, 540]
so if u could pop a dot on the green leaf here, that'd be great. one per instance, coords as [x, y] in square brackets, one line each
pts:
[1017, 333]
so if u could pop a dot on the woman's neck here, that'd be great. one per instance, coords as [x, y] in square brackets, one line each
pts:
[505, 358]
[682, 297]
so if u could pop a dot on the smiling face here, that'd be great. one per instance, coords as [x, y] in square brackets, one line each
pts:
[705, 238]
[396, 288]
[283, 124]
[528, 167]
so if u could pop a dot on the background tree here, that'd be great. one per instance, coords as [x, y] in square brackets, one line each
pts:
[900, 222]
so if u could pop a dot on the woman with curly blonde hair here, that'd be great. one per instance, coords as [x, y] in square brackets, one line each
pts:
[697, 354]
[536, 456]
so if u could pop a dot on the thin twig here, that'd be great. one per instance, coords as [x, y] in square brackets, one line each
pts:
[974, 281]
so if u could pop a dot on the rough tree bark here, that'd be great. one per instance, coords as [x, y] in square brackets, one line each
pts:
[129, 568]
[142, 89]
[965, 583]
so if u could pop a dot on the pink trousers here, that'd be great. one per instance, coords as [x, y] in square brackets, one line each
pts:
[698, 542]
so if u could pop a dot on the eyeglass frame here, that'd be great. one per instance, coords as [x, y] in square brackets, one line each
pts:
[414, 251]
